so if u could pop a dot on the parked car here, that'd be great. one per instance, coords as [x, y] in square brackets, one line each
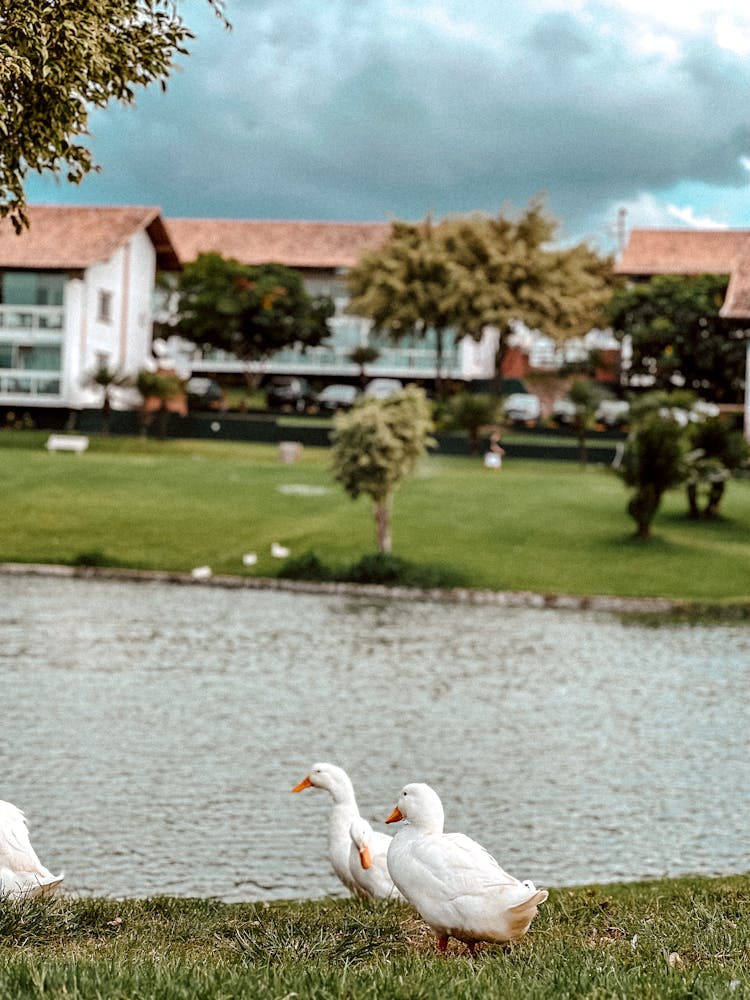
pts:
[337, 397]
[382, 388]
[523, 408]
[288, 392]
[612, 413]
[564, 411]
[205, 394]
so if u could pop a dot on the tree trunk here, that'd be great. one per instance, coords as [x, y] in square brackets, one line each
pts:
[642, 509]
[714, 499]
[499, 360]
[439, 364]
[382, 515]
[692, 498]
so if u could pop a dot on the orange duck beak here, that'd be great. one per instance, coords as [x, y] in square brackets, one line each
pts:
[395, 816]
[305, 783]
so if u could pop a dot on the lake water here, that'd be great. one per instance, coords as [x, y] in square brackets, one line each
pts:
[152, 734]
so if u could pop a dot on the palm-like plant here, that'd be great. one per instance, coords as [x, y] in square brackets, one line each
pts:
[363, 355]
[106, 379]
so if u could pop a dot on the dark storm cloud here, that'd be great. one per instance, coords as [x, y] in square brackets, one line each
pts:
[370, 109]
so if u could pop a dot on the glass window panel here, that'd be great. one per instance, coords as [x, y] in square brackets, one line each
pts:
[42, 357]
[6, 355]
[31, 288]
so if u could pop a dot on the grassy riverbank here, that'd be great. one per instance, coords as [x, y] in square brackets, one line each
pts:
[665, 939]
[544, 526]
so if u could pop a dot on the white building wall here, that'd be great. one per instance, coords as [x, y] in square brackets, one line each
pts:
[115, 318]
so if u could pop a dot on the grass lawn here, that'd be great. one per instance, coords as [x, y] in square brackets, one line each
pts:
[665, 939]
[545, 526]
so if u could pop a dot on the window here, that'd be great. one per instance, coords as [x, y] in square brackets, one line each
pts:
[37, 357]
[105, 307]
[31, 288]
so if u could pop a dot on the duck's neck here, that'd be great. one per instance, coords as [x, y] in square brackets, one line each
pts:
[339, 839]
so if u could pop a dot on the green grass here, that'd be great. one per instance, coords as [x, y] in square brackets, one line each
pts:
[666, 939]
[544, 526]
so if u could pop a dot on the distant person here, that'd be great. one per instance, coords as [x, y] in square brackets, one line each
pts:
[493, 459]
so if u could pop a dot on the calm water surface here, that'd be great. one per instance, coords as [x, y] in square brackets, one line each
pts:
[152, 734]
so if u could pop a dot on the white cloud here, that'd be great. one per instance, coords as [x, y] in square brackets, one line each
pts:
[689, 218]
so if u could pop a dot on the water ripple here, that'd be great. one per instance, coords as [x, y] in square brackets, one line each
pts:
[152, 734]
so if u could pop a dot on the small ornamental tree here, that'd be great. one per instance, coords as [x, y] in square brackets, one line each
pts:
[376, 445]
[161, 386]
[361, 356]
[470, 412]
[651, 464]
[716, 453]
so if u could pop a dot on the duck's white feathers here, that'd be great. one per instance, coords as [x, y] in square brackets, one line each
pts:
[454, 883]
[374, 881]
[21, 871]
[336, 781]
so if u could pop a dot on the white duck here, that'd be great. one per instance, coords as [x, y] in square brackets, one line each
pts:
[22, 875]
[368, 860]
[455, 884]
[336, 781]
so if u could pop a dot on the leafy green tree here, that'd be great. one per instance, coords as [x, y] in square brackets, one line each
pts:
[376, 445]
[678, 337]
[467, 273]
[251, 311]
[58, 60]
[105, 378]
[470, 412]
[651, 464]
[403, 287]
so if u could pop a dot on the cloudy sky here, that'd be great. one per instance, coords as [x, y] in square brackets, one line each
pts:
[374, 109]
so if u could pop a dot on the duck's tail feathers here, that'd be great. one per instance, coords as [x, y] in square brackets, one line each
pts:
[537, 897]
[48, 886]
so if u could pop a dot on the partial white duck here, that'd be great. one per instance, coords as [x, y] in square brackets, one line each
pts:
[336, 781]
[455, 884]
[22, 875]
[368, 860]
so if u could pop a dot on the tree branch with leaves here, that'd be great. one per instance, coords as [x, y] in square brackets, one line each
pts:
[58, 61]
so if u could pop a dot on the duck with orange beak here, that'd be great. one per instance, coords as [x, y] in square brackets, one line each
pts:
[455, 885]
[337, 783]
[368, 860]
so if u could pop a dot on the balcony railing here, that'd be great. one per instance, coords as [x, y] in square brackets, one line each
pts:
[30, 319]
[334, 360]
[21, 382]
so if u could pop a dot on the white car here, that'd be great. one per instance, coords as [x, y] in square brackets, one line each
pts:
[382, 388]
[337, 397]
[612, 412]
[522, 408]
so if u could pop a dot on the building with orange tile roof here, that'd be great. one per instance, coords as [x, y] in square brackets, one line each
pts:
[76, 291]
[649, 252]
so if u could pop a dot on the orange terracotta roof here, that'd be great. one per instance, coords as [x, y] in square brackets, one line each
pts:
[72, 237]
[694, 251]
[683, 251]
[295, 244]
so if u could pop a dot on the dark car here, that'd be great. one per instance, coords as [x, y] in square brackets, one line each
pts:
[205, 394]
[289, 392]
